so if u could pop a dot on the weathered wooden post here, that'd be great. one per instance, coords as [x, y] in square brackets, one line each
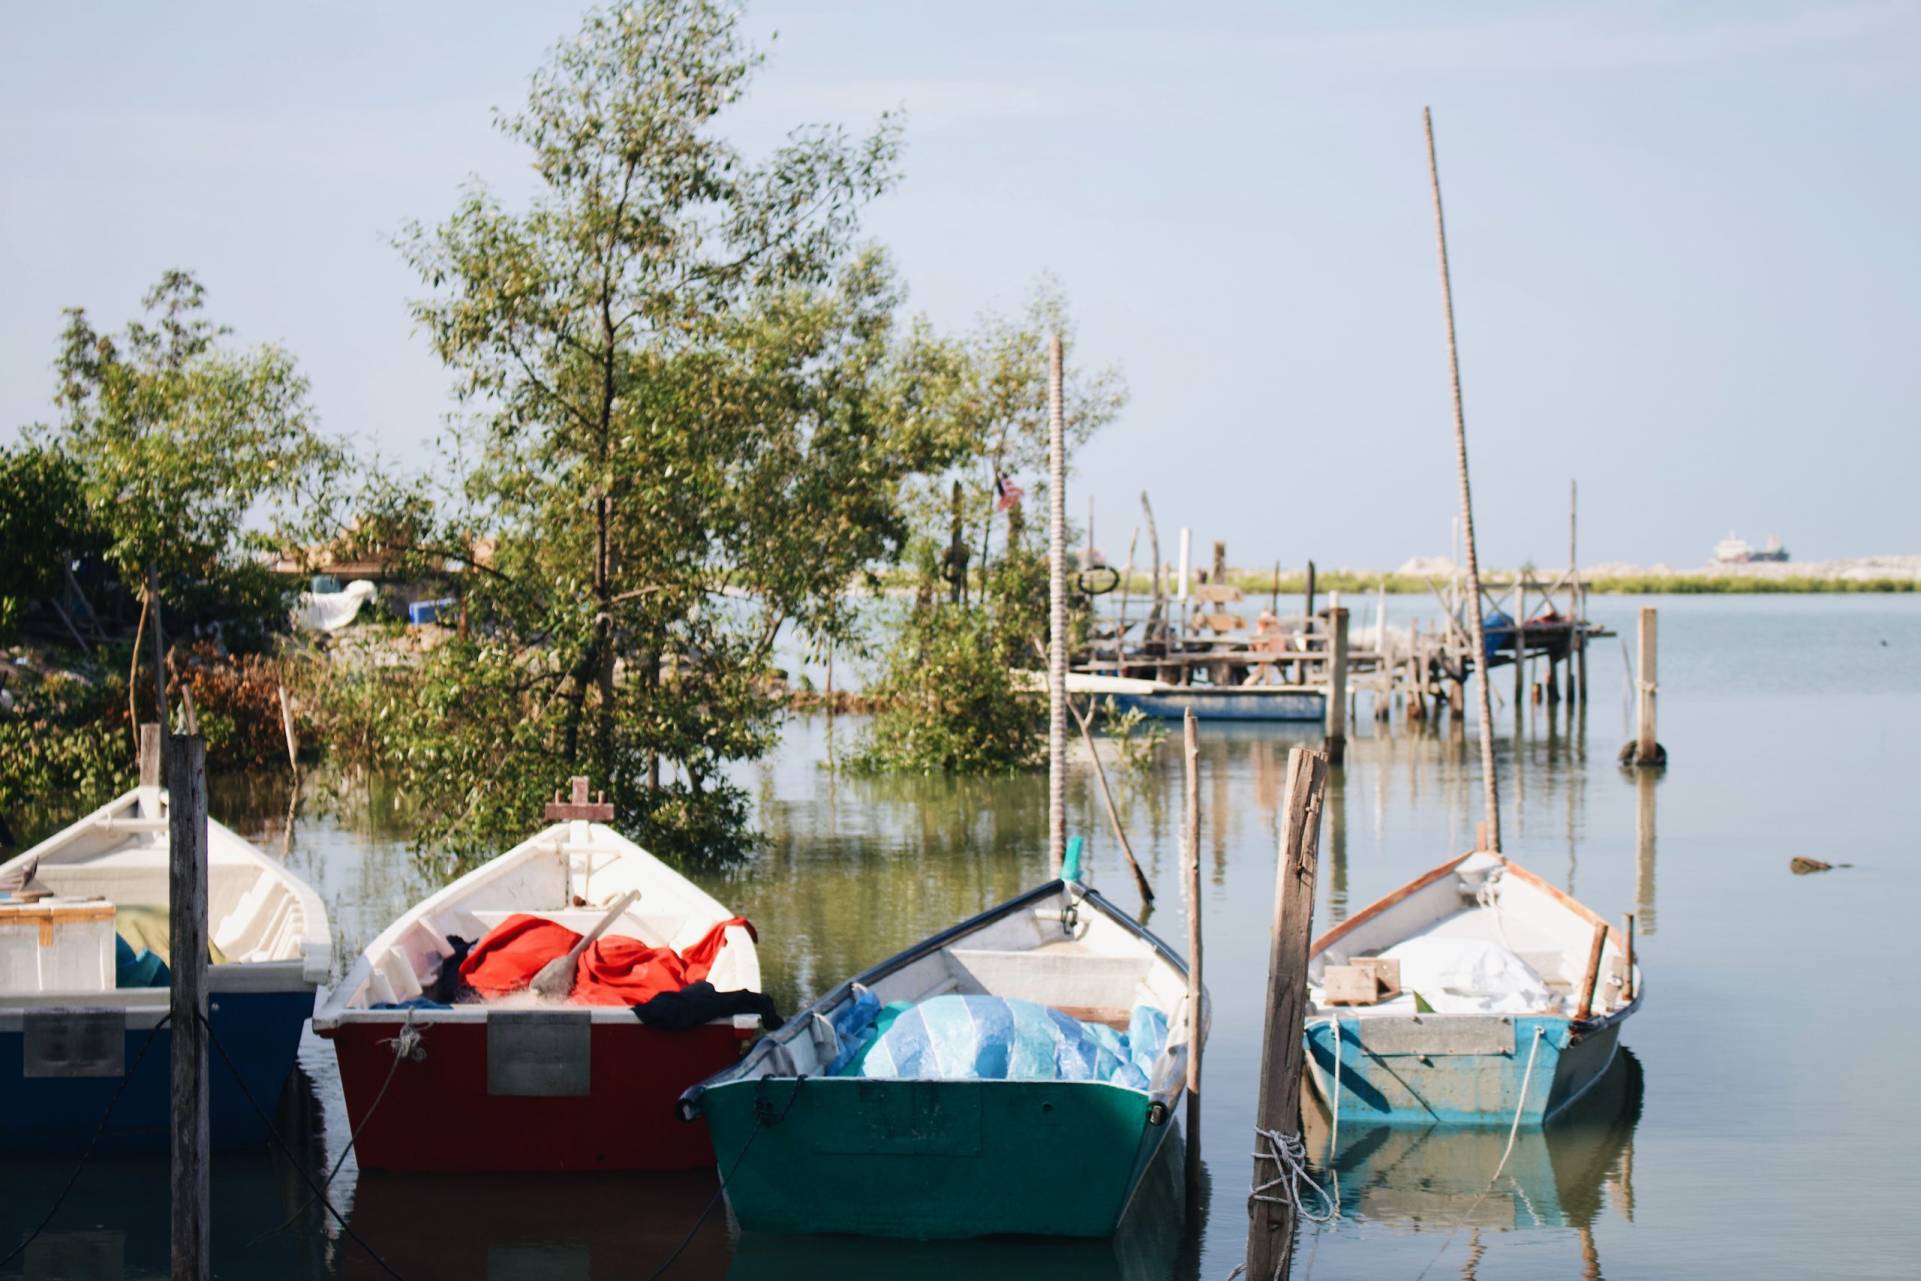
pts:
[1270, 1231]
[1113, 815]
[187, 930]
[1307, 606]
[1191, 886]
[1056, 613]
[1645, 750]
[286, 726]
[149, 755]
[1336, 726]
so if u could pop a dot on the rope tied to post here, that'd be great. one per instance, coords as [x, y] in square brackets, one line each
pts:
[1289, 1156]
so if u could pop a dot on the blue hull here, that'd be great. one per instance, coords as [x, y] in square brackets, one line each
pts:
[1397, 1086]
[1226, 705]
[260, 1032]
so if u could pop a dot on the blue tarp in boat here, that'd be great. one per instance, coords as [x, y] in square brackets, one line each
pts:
[994, 1038]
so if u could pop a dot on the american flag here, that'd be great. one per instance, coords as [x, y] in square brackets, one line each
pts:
[1010, 493]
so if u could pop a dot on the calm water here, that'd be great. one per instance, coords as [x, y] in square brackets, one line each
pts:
[1761, 1128]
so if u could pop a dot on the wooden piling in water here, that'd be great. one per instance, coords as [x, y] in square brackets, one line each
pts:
[187, 928]
[1191, 886]
[1270, 1232]
[1647, 748]
[1336, 726]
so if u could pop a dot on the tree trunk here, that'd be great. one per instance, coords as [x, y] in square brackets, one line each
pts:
[159, 654]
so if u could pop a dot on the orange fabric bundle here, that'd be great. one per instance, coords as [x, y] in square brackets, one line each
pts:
[615, 970]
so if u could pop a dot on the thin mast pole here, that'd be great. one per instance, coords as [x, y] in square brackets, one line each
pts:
[1056, 613]
[1490, 786]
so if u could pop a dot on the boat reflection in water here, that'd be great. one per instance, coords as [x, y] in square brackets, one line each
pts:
[546, 1227]
[1148, 1246]
[1438, 1178]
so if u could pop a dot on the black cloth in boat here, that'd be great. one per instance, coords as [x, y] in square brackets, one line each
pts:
[699, 1003]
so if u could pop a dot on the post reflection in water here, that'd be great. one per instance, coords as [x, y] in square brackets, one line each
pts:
[1645, 781]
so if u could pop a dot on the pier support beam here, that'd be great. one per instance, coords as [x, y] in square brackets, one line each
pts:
[1336, 727]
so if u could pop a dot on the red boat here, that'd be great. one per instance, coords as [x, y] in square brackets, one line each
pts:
[446, 1066]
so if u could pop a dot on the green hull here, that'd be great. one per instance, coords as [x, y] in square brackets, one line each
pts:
[931, 1159]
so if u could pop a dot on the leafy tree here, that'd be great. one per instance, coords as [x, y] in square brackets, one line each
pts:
[184, 446]
[692, 421]
[44, 525]
[946, 697]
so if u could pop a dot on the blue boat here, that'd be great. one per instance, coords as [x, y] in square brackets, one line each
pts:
[83, 982]
[1208, 702]
[1490, 997]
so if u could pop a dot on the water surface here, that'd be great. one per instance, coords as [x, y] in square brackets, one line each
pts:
[1762, 1126]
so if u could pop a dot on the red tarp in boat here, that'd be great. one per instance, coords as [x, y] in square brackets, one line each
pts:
[614, 970]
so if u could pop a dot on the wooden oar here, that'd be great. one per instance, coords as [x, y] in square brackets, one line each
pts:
[556, 978]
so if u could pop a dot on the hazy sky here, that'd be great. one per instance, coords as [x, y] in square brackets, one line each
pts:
[1686, 236]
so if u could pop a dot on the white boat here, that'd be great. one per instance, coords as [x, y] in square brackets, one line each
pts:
[514, 1082]
[1733, 551]
[69, 1034]
[1500, 958]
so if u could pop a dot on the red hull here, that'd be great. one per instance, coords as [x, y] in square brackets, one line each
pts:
[438, 1114]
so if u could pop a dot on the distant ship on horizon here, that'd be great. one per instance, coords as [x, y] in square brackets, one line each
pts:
[1737, 551]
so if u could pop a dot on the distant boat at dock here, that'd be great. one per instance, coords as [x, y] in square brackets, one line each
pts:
[978, 1084]
[1737, 551]
[84, 981]
[1164, 701]
[1480, 1019]
[511, 1081]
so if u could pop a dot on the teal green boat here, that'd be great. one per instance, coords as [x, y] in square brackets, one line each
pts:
[810, 1139]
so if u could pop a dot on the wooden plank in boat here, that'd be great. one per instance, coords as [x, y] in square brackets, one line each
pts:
[1428, 1034]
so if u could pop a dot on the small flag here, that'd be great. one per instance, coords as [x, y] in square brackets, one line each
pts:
[1010, 493]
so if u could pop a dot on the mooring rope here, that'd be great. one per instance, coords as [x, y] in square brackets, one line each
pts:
[407, 1045]
[1513, 1131]
[764, 1119]
[1289, 1156]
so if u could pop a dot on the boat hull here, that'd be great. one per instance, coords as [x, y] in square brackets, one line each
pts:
[1226, 705]
[931, 1159]
[1455, 1082]
[439, 1111]
[259, 1033]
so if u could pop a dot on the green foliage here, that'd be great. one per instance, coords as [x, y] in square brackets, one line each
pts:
[66, 737]
[44, 525]
[183, 446]
[691, 422]
[948, 702]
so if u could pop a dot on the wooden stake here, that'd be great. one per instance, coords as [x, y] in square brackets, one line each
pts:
[1113, 815]
[1336, 727]
[149, 755]
[187, 926]
[1647, 750]
[1490, 785]
[1191, 883]
[1591, 973]
[293, 738]
[159, 662]
[1627, 958]
[1056, 613]
[1307, 607]
[1270, 1232]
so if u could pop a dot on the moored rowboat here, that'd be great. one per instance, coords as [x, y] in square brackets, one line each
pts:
[74, 1040]
[1500, 956]
[512, 1082]
[967, 1142]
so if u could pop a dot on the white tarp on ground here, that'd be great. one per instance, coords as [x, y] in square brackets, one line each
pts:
[1469, 976]
[331, 611]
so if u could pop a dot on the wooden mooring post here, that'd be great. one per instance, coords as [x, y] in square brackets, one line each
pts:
[1191, 886]
[187, 1005]
[1645, 750]
[1336, 724]
[150, 755]
[1270, 1229]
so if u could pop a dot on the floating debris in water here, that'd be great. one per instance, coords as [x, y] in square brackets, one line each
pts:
[1802, 866]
